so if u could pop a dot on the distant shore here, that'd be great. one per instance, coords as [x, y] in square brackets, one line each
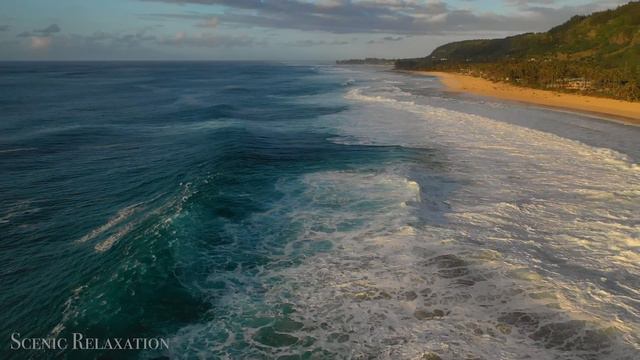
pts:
[611, 109]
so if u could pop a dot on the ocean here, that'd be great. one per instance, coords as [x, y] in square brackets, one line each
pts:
[310, 211]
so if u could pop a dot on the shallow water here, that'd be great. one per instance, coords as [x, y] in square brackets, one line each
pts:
[248, 210]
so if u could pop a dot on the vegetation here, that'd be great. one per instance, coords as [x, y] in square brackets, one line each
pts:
[597, 54]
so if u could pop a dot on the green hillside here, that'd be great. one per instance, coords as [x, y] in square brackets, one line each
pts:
[601, 50]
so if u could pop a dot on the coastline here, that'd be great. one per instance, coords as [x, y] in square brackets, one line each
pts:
[608, 109]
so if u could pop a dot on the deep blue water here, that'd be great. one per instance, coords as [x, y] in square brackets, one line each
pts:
[256, 210]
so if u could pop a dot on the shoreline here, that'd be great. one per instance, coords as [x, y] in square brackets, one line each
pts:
[620, 111]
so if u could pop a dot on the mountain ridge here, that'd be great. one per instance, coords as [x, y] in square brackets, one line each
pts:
[602, 50]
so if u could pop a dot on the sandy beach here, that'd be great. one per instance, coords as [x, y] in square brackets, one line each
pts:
[611, 109]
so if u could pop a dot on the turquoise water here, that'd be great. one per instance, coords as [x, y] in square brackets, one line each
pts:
[254, 210]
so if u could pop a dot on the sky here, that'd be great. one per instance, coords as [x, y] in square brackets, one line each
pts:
[265, 29]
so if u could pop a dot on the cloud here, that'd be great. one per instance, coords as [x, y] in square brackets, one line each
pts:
[208, 40]
[51, 29]
[309, 43]
[386, 39]
[121, 44]
[48, 31]
[338, 16]
[95, 46]
[529, 2]
[115, 40]
[4, 27]
[389, 16]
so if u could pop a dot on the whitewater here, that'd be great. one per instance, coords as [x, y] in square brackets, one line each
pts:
[501, 241]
